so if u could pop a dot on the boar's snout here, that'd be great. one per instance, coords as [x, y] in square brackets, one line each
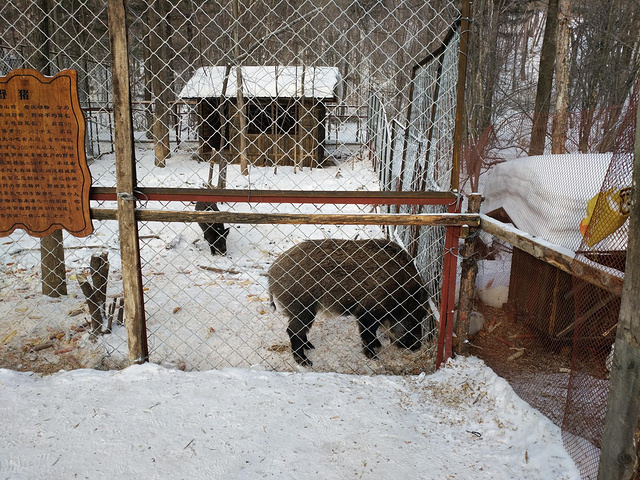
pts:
[410, 339]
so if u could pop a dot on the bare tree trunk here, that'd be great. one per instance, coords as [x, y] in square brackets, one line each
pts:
[240, 107]
[545, 81]
[560, 115]
[223, 115]
[51, 247]
[483, 47]
[159, 61]
[148, 89]
[53, 270]
[595, 77]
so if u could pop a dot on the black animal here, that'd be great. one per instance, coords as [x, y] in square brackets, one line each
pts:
[373, 280]
[214, 233]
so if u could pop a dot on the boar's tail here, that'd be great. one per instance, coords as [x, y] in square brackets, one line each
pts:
[271, 302]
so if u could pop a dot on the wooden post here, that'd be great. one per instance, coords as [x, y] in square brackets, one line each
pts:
[96, 290]
[52, 265]
[223, 115]
[619, 453]
[563, 59]
[469, 270]
[125, 184]
[240, 105]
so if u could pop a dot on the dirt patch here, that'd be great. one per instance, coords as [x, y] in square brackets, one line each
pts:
[67, 349]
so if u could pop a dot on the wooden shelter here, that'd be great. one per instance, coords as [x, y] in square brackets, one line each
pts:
[284, 109]
[546, 196]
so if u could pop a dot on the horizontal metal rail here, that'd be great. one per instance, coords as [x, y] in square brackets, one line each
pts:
[281, 196]
[433, 219]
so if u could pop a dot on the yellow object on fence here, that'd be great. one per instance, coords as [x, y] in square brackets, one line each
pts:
[606, 213]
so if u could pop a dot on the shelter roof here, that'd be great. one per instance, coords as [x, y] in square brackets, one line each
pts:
[265, 81]
[546, 195]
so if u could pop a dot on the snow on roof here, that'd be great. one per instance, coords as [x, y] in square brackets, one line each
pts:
[547, 195]
[265, 81]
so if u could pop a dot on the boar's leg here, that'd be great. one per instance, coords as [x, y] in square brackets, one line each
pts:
[368, 326]
[299, 326]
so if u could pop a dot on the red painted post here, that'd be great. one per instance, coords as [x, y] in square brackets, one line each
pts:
[448, 291]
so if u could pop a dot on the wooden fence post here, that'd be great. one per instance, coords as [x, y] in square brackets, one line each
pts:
[54, 274]
[469, 270]
[619, 453]
[125, 184]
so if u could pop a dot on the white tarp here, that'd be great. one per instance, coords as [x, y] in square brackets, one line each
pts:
[265, 81]
[547, 195]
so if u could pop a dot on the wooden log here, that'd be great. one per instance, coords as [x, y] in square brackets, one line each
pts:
[110, 316]
[469, 271]
[99, 265]
[96, 294]
[42, 346]
[619, 452]
[559, 257]
[94, 307]
[126, 182]
[116, 312]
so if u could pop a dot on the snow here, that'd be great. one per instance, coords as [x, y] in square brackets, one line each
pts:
[148, 421]
[157, 421]
[547, 195]
[492, 280]
[546, 198]
[265, 81]
[494, 296]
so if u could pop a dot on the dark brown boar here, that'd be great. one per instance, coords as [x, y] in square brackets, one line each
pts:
[373, 280]
[214, 233]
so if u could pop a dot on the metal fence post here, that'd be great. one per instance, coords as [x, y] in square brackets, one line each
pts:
[448, 291]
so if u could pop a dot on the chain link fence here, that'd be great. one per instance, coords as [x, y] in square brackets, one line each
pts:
[548, 330]
[232, 96]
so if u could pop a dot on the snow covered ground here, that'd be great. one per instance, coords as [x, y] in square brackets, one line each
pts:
[206, 312]
[147, 421]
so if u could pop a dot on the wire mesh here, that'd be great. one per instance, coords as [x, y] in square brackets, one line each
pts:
[605, 235]
[248, 96]
[551, 333]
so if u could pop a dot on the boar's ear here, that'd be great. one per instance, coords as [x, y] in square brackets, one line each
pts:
[225, 232]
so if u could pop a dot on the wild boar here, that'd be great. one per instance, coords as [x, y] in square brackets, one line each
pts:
[214, 233]
[373, 280]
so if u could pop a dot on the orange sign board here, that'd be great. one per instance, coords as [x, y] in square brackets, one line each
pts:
[44, 177]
